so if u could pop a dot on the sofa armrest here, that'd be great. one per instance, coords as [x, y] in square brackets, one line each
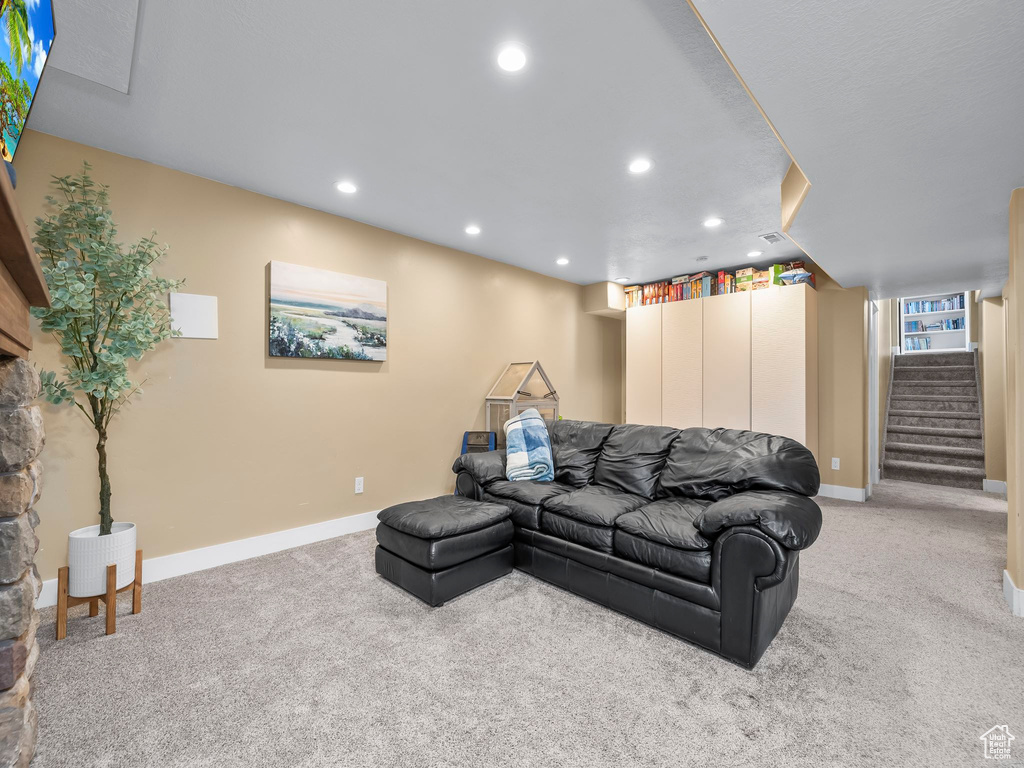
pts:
[485, 468]
[789, 518]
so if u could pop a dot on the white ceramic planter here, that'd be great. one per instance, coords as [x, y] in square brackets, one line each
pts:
[89, 554]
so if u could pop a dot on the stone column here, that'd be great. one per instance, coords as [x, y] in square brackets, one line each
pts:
[21, 440]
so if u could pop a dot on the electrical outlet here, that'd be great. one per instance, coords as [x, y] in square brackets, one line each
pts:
[359, 484]
[835, 465]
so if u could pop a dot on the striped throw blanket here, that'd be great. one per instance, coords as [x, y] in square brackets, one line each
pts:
[528, 448]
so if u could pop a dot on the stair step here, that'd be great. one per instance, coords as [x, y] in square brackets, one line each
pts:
[972, 473]
[933, 367]
[933, 389]
[934, 431]
[959, 383]
[938, 358]
[961, 415]
[952, 451]
[934, 474]
[937, 398]
[940, 405]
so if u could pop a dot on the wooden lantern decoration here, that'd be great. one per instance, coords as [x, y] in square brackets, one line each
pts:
[521, 386]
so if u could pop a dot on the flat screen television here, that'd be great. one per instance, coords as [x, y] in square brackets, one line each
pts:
[26, 34]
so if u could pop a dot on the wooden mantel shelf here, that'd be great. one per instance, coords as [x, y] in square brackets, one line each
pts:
[21, 279]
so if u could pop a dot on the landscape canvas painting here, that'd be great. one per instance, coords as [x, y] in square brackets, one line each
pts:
[323, 314]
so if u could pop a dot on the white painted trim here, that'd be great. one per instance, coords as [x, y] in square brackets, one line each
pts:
[1014, 595]
[994, 486]
[843, 492]
[180, 563]
[874, 437]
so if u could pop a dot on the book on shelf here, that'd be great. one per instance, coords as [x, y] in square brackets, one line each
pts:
[945, 324]
[703, 284]
[935, 305]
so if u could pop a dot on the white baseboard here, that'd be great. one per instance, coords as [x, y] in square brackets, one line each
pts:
[180, 563]
[843, 492]
[994, 486]
[1014, 595]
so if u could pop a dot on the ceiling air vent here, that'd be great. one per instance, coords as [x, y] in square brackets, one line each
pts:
[772, 238]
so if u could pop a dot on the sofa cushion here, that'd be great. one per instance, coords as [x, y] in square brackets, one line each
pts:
[527, 491]
[632, 458]
[688, 563]
[576, 446]
[662, 535]
[668, 522]
[595, 504]
[587, 516]
[597, 537]
[715, 463]
[522, 515]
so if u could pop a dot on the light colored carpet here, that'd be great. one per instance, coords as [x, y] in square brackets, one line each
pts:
[899, 651]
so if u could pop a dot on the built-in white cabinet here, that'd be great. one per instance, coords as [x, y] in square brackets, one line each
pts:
[643, 364]
[727, 360]
[682, 364]
[784, 362]
[746, 360]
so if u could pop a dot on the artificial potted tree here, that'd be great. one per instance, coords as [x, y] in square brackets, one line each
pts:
[106, 310]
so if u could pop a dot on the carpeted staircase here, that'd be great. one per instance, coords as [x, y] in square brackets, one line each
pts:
[933, 426]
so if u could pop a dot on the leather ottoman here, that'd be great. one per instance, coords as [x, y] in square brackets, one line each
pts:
[440, 548]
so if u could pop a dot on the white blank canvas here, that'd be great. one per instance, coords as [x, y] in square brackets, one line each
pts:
[194, 315]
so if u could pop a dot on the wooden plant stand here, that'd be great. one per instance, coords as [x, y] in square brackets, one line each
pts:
[64, 601]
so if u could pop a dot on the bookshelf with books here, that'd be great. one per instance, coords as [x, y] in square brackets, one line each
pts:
[935, 323]
[704, 284]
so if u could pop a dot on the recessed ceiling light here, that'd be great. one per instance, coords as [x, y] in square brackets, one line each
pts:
[640, 165]
[755, 254]
[714, 221]
[346, 186]
[511, 57]
[472, 229]
[561, 261]
[621, 279]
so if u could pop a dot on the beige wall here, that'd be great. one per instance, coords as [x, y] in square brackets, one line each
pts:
[1014, 382]
[226, 442]
[992, 355]
[842, 383]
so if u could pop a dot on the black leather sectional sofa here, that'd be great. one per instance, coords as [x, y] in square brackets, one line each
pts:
[694, 531]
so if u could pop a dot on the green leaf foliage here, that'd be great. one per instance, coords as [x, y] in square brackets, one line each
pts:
[107, 302]
[19, 39]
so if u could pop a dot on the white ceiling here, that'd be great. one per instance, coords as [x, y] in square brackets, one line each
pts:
[908, 119]
[99, 42]
[404, 98]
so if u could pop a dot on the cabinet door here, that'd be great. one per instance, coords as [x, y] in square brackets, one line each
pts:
[783, 363]
[727, 360]
[643, 364]
[682, 364]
